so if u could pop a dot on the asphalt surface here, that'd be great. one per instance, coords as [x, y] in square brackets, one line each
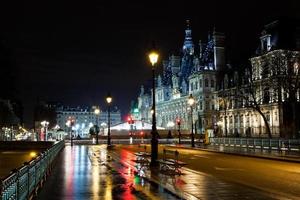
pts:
[93, 172]
[276, 177]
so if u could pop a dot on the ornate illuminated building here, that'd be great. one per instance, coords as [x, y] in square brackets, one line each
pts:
[231, 100]
[194, 72]
[261, 99]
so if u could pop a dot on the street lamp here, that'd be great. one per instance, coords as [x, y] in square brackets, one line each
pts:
[153, 57]
[191, 102]
[70, 123]
[108, 100]
[97, 112]
[179, 133]
[45, 126]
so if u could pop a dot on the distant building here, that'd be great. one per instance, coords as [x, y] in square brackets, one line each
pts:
[85, 118]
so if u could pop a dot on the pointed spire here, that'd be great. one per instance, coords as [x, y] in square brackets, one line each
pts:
[188, 25]
[188, 46]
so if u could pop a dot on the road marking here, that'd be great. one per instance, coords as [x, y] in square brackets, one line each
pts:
[228, 169]
[201, 156]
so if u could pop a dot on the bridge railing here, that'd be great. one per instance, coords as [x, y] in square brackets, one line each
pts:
[259, 143]
[23, 182]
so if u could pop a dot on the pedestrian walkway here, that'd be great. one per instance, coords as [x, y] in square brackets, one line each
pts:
[92, 172]
[268, 154]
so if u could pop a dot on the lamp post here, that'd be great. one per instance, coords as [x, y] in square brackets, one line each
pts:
[70, 123]
[97, 112]
[179, 133]
[45, 126]
[108, 100]
[223, 102]
[153, 57]
[191, 102]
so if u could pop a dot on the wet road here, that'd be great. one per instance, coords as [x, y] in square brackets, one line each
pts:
[92, 172]
[282, 179]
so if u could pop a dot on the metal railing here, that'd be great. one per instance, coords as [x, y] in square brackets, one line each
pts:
[23, 182]
[259, 143]
[133, 141]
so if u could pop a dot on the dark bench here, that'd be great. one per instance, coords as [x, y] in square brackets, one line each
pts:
[142, 157]
[170, 163]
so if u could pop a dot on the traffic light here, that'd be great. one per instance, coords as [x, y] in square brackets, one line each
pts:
[130, 120]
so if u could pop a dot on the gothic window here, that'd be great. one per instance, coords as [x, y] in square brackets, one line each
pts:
[236, 119]
[200, 83]
[226, 81]
[192, 86]
[206, 82]
[212, 83]
[201, 106]
[206, 105]
[266, 95]
[196, 85]
[213, 107]
[230, 119]
[268, 116]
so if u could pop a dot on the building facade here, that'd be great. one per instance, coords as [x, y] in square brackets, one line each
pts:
[85, 118]
[194, 72]
[255, 100]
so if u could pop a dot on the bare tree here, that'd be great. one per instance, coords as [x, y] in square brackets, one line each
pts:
[285, 80]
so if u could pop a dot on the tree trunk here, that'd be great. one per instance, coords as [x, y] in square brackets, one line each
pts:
[266, 122]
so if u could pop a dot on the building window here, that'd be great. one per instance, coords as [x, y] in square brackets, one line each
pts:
[236, 119]
[212, 83]
[201, 106]
[200, 83]
[268, 117]
[196, 86]
[206, 105]
[206, 82]
[213, 107]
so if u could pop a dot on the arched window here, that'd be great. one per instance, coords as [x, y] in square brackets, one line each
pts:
[212, 83]
[266, 96]
[206, 82]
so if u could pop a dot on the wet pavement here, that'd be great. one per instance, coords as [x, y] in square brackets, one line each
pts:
[93, 172]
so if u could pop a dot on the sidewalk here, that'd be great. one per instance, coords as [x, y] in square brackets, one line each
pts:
[257, 153]
[92, 172]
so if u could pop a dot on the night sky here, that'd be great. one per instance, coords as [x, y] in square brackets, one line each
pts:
[76, 51]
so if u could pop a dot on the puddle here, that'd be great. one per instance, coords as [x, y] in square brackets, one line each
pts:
[126, 183]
